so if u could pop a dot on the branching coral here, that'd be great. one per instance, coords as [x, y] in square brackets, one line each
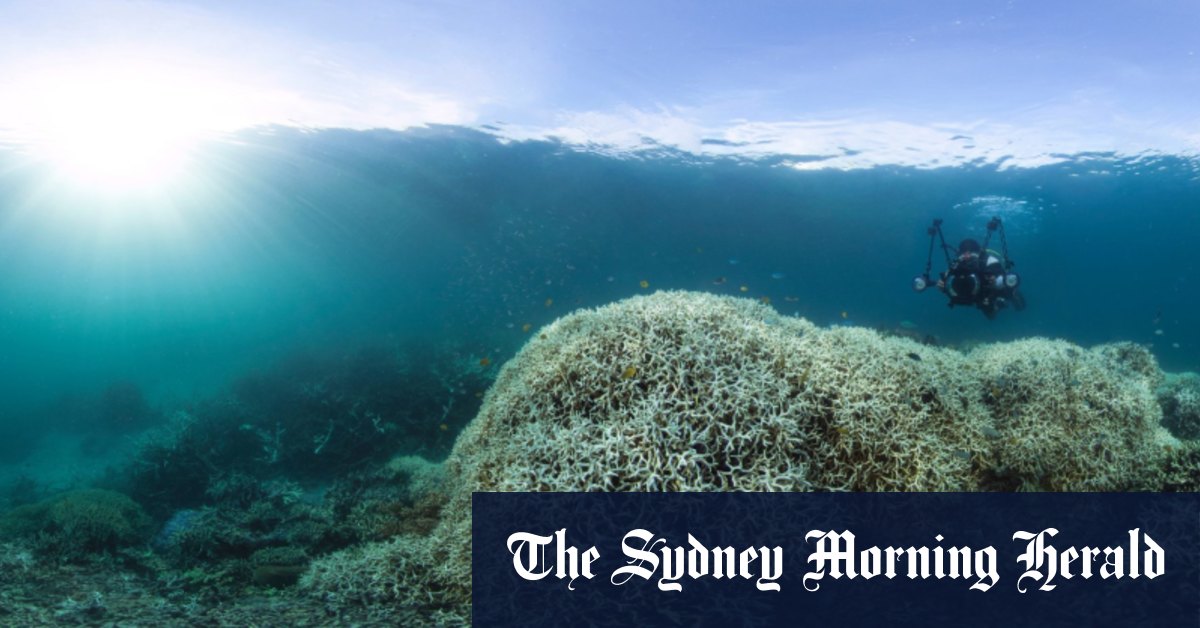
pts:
[1181, 470]
[691, 392]
[1180, 399]
[1069, 419]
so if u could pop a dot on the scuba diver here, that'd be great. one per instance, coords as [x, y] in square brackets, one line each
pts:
[976, 275]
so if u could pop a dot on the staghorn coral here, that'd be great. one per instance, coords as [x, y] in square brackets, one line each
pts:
[405, 573]
[1069, 419]
[1132, 358]
[692, 392]
[1179, 395]
[727, 395]
[403, 497]
[1180, 472]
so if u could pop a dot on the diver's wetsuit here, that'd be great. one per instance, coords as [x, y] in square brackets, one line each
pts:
[973, 281]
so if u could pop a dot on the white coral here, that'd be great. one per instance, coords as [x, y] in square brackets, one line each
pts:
[693, 392]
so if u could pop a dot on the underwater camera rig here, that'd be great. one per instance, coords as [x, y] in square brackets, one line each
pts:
[1007, 280]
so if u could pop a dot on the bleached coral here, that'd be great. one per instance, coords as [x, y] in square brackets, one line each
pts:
[692, 392]
[1067, 418]
[682, 391]
[1180, 399]
[1132, 358]
[1181, 470]
[404, 573]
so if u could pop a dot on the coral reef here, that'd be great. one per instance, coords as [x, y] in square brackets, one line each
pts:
[278, 566]
[311, 419]
[1181, 469]
[405, 496]
[406, 572]
[306, 474]
[78, 525]
[1069, 419]
[1179, 396]
[682, 391]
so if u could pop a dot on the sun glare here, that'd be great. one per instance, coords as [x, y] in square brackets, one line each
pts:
[121, 127]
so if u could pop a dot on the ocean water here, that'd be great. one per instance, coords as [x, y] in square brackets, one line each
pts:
[291, 251]
[295, 240]
[292, 241]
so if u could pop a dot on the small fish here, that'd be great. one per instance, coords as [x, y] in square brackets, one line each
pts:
[444, 427]
[913, 356]
[610, 279]
[719, 281]
[699, 249]
[1174, 345]
[485, 362]
[845, 315]
[791, 299]
[990, 432]
[733, 261]
[526, 327]
[962, 454]
[629, 373]
[644, 284]
[765, 300]
[778, 275]
[1158, 332]
[549, 302]
[744, 289]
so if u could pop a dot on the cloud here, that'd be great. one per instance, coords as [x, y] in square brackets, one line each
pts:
[237, 73]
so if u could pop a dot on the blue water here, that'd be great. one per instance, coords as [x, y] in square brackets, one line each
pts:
[323, 240]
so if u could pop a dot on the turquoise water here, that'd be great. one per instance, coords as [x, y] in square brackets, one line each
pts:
[322, 240]
[250, 355]
[448, 247]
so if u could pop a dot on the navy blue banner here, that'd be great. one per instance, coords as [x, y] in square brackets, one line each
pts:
[836, 559]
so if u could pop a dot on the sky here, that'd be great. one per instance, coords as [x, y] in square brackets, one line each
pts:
[858, 82]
